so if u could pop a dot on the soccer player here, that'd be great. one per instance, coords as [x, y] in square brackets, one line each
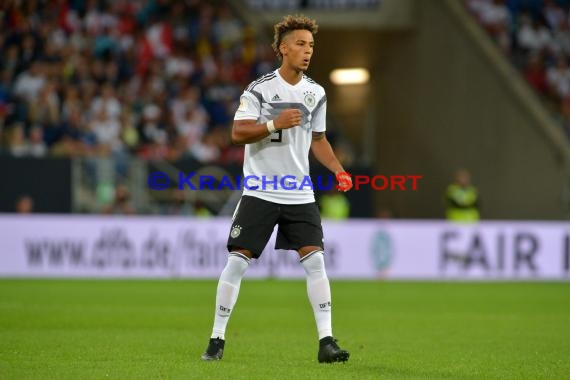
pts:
[281, 115]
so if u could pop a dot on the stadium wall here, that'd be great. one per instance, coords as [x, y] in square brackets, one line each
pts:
[46, 181]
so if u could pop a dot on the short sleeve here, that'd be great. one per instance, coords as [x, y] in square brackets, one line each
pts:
[319, 119]
[249, 107]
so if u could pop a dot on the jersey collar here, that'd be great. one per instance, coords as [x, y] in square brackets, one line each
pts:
[299, 84]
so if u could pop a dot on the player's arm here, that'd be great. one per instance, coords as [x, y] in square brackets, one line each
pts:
[322, 149]
[249, 131]
[323, 152]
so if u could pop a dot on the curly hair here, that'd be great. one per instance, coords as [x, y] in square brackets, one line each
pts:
[289, 24]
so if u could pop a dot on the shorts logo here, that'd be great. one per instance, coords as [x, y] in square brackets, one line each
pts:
[235, 231]
[310, 99]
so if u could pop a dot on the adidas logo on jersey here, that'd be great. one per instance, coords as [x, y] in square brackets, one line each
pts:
[276, 98]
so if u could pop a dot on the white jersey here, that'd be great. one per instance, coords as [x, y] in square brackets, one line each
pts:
[276, 168]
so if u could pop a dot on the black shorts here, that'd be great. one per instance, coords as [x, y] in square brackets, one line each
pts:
[255, 219]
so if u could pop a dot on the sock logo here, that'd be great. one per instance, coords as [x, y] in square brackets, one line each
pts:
[236, 230]
[225, 309]
[323, 305]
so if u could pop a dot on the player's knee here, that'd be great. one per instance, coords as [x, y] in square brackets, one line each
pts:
[242, 251]
[236, 266]
[314, 263]
[305, 251]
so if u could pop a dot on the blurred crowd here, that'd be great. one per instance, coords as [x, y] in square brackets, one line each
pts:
[291, 5]
[154, 78]
[535, 34]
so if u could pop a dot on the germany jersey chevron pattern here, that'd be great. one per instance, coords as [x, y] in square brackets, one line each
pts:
[274, 109]
[309, 79]
[261, 79]
[288, 152]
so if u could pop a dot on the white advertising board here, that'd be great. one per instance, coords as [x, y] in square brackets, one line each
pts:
[167, 247]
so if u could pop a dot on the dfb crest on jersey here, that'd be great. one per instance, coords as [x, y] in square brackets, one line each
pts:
[235, 231]
[310, 99]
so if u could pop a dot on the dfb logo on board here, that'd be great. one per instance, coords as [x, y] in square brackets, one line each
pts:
[114, 249]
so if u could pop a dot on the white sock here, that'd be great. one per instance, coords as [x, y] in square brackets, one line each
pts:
[319, 291]
[228, 290]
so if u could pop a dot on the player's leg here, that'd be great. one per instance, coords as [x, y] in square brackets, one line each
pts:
[228, 290]
[318, 289]
[300, 229]
[252, 226]
[226, 296]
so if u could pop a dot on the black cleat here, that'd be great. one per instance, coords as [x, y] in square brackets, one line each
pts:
[330, 352]
[215, 349]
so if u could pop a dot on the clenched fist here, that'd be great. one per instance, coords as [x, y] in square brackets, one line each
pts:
[288, 118]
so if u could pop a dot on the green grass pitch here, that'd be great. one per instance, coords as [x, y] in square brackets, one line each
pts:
[108, 329]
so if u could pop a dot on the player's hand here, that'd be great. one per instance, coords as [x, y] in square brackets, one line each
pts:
[288, 118]
[344, 181]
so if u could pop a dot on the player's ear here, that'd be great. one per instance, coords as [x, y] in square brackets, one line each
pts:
[283, 48]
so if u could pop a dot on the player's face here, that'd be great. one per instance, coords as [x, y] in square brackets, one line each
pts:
[298, 49]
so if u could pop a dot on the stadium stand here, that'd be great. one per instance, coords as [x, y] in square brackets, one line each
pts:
[106, 78]
[105, 81]
[102, 81]
[535, 35]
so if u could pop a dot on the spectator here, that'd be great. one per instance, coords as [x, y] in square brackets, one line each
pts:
[121, 203]
[108, 101]
[227, 29]
[535, 74]
[462, 199]
[129, 133]
[558, 78]
[179, 205]
[200, 210]
[192, 127]
[18, 145]
[36, 146]
[533, 36]
[71, 102]
[561, 38]
[554, 14]
[11, 60]
[385, 213]
[495, 18]
[334, 205]
[74, 138]
[107, 132]
[30, 82]
[44, 109]
[207, 149]
[24, 205]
